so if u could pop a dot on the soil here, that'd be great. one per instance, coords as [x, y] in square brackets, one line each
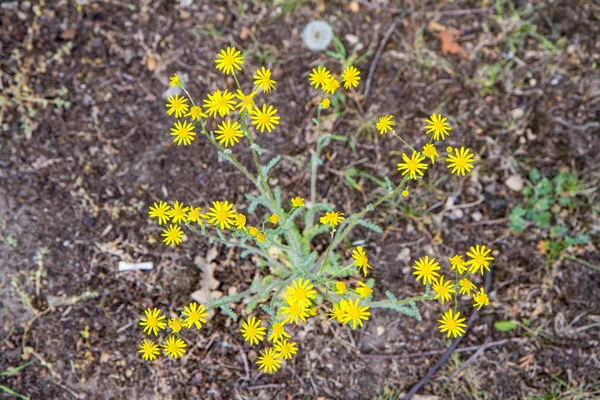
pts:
[84, 149]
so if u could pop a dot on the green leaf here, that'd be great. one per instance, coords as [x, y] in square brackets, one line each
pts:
[542, 219]
[227, 311]
[582, 239]
[266, 169]
[256, 148]
[558, 231]
[16, 369]
[534, 175]
[505, 326]
[518, 211]
[370, 225]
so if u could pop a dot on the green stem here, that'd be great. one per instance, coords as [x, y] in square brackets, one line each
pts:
[403, 141]
[353, 220]
[314, 164]
[327, 253]
[341, 270]
[582, 262]
[384, 303]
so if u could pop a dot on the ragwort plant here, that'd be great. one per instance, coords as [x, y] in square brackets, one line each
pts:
[296, 282]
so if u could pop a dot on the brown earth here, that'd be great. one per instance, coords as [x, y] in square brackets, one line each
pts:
[84, 149]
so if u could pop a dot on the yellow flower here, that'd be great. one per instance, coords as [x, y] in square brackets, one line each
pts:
[246, 102]
[278, 332]
[265, 118]
[350, 77]
[175, 324]
[175, 81]
[332, 218]
[452, 324]
[312, 311]
[355, 314]
[340, 287]
[443, 290]
[319, 76]
[449, 149]
[196, 113]
[160, 211]
[301, 292]
[430, 151]
[295, 312]
[261, 237]
[425, 269]
[195, 315]
[479, 259]
[461, 163]
[363, 290]
[385, 124]
[285, 349]
[360, 259]
[153, 321]
[325, 103]
[184, 133]
[221, 214]
[229, 133]
[178, 213]
[405, 193]
[263, 80]
[268, 361]
[174, 347]
[229, 60]
[252, 331]
[298, 201]
[252, 231]
[218, 102]
[149, 350]
[438, 126]
[195, 215]
[458, 263]
[240, 221]
[480, 299]
[173, 235]
[331, 85]
[466, 286]
[177, 105]
[337, 312]
[274, 219]
[412, 166]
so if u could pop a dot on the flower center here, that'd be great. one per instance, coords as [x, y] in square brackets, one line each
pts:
[222, 215]
[263, 119]
[354, 313]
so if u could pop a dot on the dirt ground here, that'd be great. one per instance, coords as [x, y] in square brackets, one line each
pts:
[84, 149]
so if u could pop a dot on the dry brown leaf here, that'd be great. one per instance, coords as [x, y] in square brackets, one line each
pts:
[244, 33]
[151, 63]
[450, 45]
[208, 270]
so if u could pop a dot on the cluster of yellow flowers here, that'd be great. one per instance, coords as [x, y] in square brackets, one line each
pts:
[223, 102]
[460, 163]
[223, 216]
[299, 299]
[426, 270]
[237, 110]
[174, 346]
[322, 78]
